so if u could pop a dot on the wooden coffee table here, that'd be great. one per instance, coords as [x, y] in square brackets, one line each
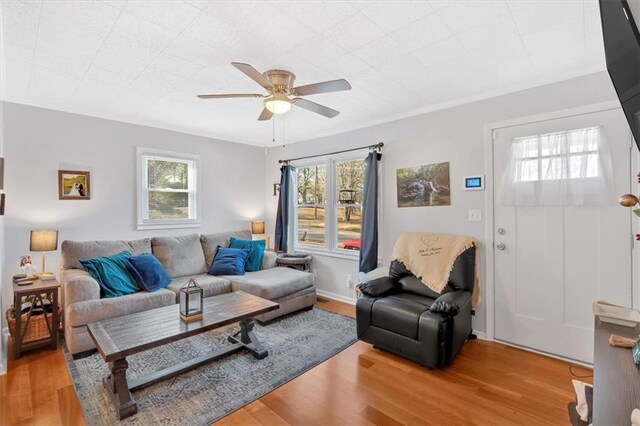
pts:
[118, 338]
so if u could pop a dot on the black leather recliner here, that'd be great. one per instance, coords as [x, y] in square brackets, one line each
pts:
[401, 315]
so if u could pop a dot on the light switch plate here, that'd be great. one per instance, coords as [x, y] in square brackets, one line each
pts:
[475, 215]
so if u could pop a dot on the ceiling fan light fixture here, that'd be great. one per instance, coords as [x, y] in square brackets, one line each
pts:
[278, 103]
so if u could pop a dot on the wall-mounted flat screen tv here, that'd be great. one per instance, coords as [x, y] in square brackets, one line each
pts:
[622, 49]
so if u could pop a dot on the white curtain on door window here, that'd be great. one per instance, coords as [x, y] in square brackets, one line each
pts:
[571, 168]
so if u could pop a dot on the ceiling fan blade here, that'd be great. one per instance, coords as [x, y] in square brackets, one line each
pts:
[324, 87]
[253, 74]
[314, 107]
[232, 95]
[265, 115]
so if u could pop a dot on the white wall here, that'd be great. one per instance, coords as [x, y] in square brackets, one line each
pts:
[455, 135]
[3, 336]
[3, 343]
[236, 180]
[39, 142]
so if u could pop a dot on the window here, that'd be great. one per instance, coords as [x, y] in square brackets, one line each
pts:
[571, 168]
[310, 215]
[348, 203]
[329, 205]
[553, 156]
[167, 186]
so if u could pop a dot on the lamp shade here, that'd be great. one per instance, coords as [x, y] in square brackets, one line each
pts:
[44, 240]
[257, 227]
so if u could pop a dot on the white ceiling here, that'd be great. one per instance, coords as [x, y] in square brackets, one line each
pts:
[145, 61]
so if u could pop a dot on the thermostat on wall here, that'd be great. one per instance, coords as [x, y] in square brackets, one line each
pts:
[474, 183]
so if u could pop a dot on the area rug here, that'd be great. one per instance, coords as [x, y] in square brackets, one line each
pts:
[296, 343]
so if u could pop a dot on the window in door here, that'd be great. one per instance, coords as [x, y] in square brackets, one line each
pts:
[562, 155]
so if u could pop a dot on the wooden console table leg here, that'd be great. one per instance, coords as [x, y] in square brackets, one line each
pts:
[116, 385]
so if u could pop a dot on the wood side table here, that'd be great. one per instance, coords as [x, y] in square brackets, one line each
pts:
[38, 292]
[616, 379]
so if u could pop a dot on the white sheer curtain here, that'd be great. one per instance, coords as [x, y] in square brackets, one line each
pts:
[571, 168]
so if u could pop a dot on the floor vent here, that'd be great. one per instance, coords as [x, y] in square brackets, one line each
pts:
[321, 299]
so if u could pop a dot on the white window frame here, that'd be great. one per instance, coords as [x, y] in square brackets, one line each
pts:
[330, 207]
[143, 222]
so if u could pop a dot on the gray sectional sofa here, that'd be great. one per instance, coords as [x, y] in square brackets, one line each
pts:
[184, 257]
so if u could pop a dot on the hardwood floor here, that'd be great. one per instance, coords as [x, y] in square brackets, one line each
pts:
[488, 383]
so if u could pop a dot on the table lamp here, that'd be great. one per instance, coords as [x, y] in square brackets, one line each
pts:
[257, 228]
[44, 241]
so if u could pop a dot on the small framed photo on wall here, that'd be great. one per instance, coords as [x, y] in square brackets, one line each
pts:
[74, 185]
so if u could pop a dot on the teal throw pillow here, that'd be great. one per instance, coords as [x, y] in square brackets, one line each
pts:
[112, 274]
[256, 249]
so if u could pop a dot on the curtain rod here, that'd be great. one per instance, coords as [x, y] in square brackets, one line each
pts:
[376, 146]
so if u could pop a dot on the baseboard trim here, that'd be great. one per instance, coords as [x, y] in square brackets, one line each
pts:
[483, 336]
[480, 335]
[337, 297]
[4, 335]
[547, 354]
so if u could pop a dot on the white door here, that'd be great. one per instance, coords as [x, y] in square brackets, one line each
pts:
[552, 262]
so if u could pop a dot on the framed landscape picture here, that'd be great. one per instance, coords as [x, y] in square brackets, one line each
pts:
[74, 185]
[424, 186]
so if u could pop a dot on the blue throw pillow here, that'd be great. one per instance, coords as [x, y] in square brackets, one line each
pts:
[112, 274]
[229, 261]
[148, 272]
[257, 247]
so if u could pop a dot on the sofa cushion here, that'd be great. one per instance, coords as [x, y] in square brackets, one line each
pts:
[269, 260]
[112, 274]
[83, 313]
[77, 286]
[148, 272]
[400, 313]
[73, 251]
[181, 255]
[211, 286]
[272, 283]
[210, 242]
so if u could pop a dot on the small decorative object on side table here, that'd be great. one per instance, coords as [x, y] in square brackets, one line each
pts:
[191, 296]
[301, 262]
[26, 267]
[34, 319]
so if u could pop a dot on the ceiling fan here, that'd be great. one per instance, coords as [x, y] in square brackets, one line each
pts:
[282, 95]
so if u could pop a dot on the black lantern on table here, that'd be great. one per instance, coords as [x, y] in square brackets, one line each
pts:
[191, 301]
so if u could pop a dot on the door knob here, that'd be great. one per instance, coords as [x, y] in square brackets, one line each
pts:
[501, 231]
[501, 246]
